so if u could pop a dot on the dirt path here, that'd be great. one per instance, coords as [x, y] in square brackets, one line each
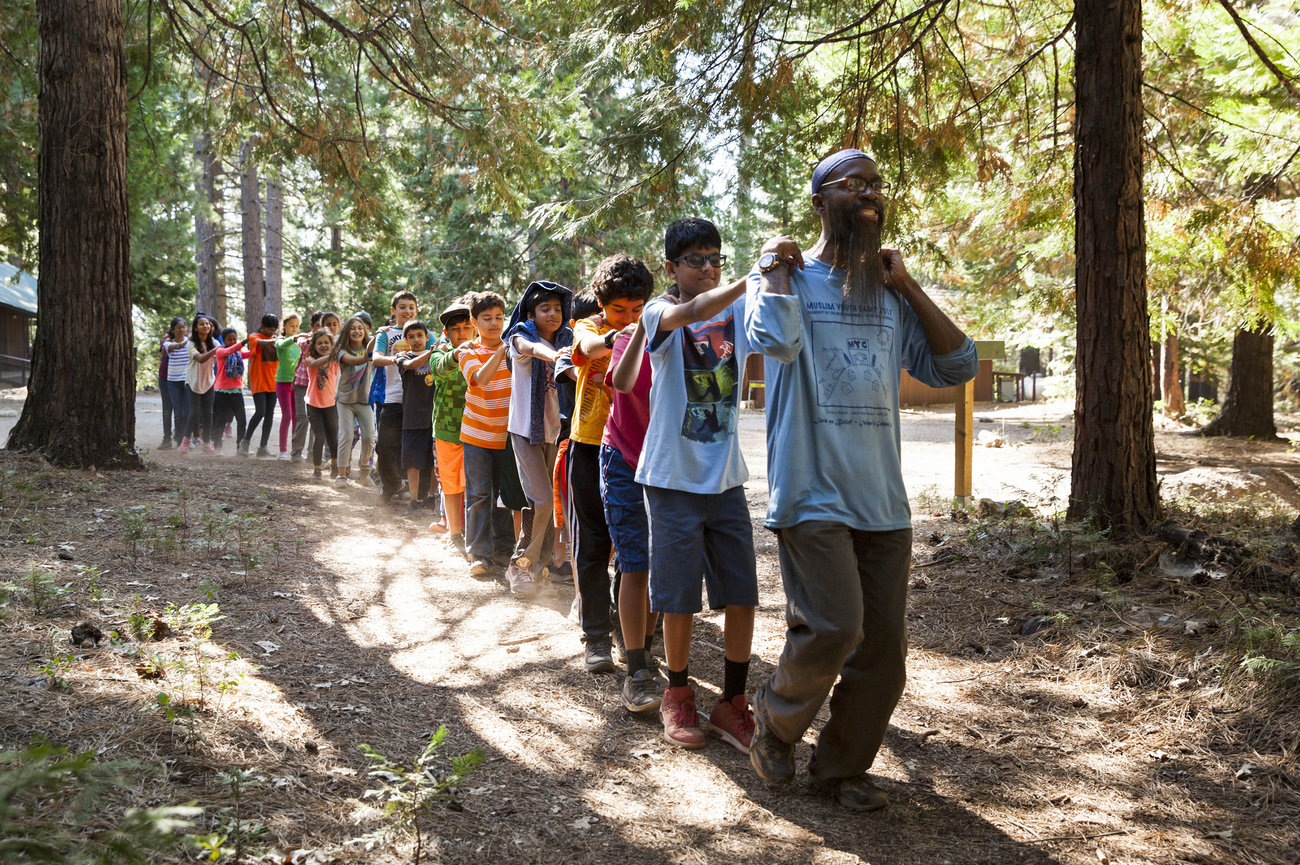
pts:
[356, 625]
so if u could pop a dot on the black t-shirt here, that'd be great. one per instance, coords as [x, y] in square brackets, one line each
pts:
[417, 392]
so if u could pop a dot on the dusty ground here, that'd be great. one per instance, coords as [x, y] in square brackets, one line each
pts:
[1122, 731]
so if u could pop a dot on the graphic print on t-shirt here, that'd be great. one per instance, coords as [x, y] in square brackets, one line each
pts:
[851, 351]
[709, 354]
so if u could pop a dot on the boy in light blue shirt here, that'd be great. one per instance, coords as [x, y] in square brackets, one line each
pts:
[692, 473]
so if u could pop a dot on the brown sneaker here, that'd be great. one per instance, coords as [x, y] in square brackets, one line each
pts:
[771, 757]
[681, 721]
[854, 794]
[733, 722]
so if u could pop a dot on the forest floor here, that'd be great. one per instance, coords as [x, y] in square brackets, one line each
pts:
[1070, 699]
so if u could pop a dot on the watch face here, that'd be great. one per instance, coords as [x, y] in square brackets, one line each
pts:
[766, 260]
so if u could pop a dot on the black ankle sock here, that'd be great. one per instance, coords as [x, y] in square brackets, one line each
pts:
[678, 680]
[636, 660]
[734, 676]
[649, 642]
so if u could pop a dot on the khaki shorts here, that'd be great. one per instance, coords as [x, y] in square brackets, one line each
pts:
[451, 467]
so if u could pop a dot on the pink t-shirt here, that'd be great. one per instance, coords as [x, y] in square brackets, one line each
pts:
[225, 382]
[629, 413]
[323, 384]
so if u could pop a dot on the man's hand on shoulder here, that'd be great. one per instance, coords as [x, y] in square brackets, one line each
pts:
[774, 278]
[785, 249]
[896, 275]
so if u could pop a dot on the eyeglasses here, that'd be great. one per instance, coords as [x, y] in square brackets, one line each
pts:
[697, 260]
[857, 185]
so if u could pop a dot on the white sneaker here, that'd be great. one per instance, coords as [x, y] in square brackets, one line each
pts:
[284, 456]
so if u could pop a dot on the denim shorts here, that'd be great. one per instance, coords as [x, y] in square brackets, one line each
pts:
[629, 528]
[700, 538]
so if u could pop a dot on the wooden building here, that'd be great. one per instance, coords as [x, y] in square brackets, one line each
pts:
[17, 320]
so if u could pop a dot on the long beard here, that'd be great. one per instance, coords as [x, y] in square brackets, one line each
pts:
[858, 243]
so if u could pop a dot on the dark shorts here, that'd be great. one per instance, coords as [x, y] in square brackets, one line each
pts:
[417, 449]
[699, 538]
[629, 528]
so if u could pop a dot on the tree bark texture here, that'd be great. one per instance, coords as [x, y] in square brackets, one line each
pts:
[1175, 405]
[80, 409]
[1113, 481]
[1248, 407]
[274, 246]
[251, 210]
[210, 252]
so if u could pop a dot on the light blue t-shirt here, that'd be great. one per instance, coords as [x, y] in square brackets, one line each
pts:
[832, 373]
[691, 442]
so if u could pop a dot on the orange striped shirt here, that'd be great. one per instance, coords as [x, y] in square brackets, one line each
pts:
[487, 409]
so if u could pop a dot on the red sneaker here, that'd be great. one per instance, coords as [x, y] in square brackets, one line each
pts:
[733, 722]
[681, 721]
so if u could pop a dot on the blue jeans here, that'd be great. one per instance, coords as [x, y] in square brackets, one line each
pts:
[178, 394]
[489, 530]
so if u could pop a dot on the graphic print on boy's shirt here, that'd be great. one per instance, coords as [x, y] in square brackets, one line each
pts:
[711, 375]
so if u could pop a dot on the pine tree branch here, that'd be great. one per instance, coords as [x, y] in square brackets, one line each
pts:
[1284, 79]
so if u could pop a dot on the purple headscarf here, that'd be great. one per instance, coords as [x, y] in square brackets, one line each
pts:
[830, 163]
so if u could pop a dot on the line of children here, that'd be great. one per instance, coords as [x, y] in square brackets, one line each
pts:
[654, 474]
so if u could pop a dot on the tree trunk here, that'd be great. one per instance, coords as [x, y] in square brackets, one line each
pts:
[251, 208]
[274, 245]
[84, 285]
[1175, 405]
[1248, 407]
[1113, 481]
[210, 251]
[1156, 377]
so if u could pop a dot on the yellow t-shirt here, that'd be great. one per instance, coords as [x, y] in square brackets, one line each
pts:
[591, 402]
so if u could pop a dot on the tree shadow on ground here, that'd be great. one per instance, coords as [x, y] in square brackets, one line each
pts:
[380, 637]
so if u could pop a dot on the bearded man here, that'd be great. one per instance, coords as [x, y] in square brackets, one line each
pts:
[837, 502]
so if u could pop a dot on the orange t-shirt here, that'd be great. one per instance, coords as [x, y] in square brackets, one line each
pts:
[487, 408]
[262, 363]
